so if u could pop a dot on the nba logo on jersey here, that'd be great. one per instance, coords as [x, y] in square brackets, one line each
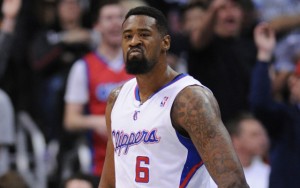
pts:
[164, 101]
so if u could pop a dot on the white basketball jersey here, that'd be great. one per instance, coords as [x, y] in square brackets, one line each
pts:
[149, 152]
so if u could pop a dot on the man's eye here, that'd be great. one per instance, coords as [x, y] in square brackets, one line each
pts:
[127, 36]
[144, 35]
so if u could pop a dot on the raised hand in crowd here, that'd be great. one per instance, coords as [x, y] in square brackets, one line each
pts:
[265, 41]
[10, 10]
[201, 28]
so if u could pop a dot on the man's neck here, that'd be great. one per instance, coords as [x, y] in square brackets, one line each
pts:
[245, 159]
[110, 52]
[151, 82]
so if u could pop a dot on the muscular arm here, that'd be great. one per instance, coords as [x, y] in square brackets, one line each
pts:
[196, 112]
[108, 173]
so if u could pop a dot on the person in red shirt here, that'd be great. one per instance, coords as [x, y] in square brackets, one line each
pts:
[92, 78]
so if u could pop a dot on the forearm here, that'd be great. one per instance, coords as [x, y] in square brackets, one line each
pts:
[260, 89]
[285, 23]
[262, 103]
[261, 97]
[203, 34]
[222, 162]
[85, 122]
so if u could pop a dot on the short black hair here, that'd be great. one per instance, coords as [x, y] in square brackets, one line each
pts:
[161, 20]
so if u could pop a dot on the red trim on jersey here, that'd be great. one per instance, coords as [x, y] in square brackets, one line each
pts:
[190, 174]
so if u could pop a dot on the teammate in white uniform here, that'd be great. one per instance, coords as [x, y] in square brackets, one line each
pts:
[165, 128]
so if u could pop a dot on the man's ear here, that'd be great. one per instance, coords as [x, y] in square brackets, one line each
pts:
[166, 43]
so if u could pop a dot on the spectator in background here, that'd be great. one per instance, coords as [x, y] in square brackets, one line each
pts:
[10, 10]
[92, 78]
[284, 18]
[250, 142]
[15, 80]
[53, 53]
[281, 119]
[287, 55]
[219, 57]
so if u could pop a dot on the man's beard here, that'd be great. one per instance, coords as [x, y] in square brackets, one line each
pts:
[138, 65]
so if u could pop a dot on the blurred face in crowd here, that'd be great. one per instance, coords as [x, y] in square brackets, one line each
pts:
[78, 183]
[192, 19]
[229, 19]
[252, 138]
[69, 10]
[142, 44]
[110, 24]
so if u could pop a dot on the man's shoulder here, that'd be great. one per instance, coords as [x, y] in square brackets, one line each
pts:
[78, 66]
[195, 91]
[114, 95]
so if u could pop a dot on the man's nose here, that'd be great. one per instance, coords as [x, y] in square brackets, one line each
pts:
[135, 41]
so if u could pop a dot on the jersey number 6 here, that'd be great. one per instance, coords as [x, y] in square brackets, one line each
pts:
[141, 173]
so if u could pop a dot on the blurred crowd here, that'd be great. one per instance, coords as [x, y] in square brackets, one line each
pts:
[59, 59]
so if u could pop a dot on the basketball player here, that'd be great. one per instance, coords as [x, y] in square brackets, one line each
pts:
[165, 128]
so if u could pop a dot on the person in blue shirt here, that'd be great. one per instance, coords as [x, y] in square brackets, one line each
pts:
[282, 119]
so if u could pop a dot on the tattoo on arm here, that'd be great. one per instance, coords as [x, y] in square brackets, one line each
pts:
[196, 111]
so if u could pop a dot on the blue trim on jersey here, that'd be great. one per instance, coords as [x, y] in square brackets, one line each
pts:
[136, 93]
[193, 158]
[178, 77]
